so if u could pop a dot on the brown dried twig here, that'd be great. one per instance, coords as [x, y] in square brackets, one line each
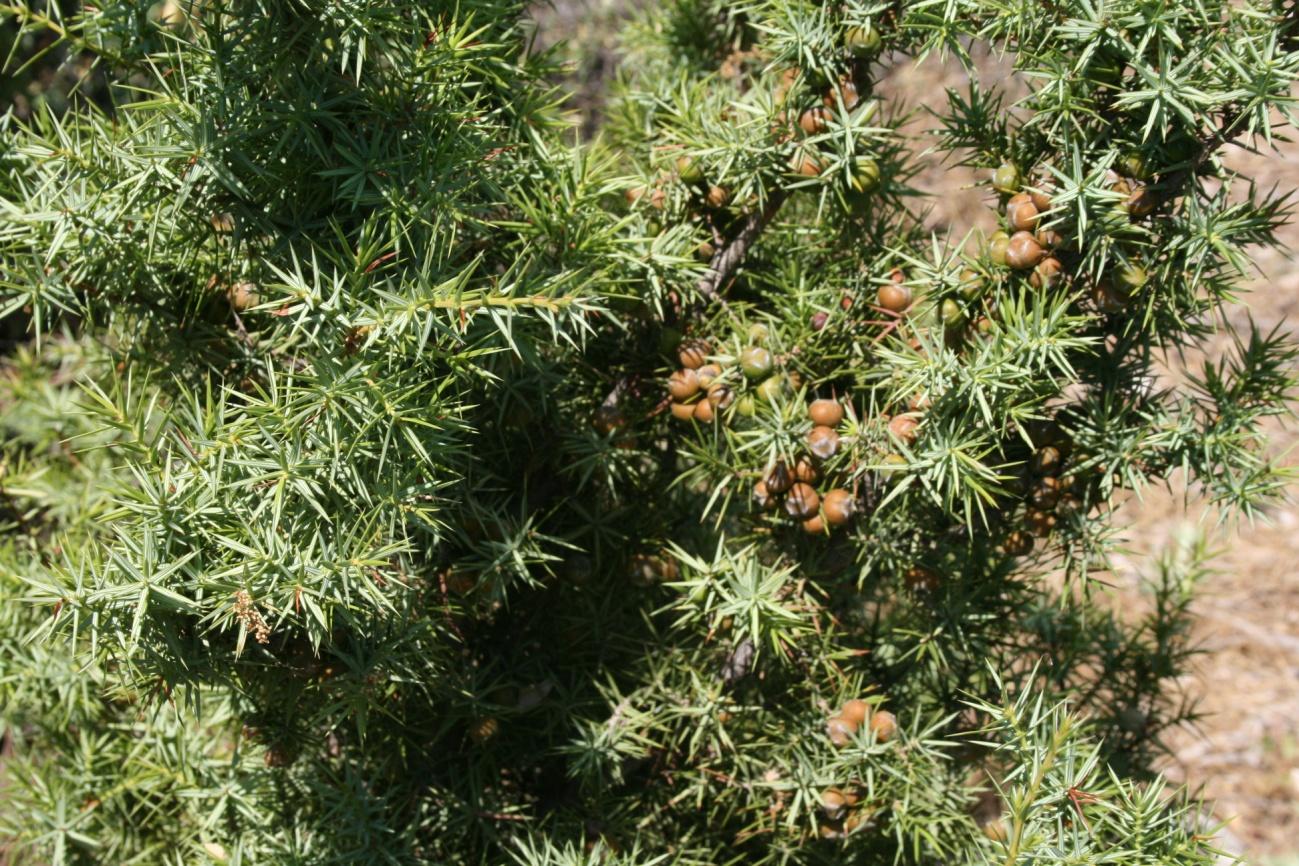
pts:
[728, 256]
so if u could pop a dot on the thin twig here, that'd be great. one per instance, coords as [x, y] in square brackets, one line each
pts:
[728, 257]
[1209, 145]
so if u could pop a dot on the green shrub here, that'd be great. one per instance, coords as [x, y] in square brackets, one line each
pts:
[348, 518]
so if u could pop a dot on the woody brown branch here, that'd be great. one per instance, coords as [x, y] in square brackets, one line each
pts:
[728, 257]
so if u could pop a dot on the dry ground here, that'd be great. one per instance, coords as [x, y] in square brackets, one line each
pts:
[1245, 753]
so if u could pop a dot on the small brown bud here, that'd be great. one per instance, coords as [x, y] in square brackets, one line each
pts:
[825, 413]
[682, 411]
[805, 164]
[1021, 213]
[1141, 202]
[814, 121]
[833, 803]
[883, 725]
[243, 296]
[823, 442]
[846, 91]
[1023, 252]
[855, 711]
[683, 384]
[805, 470]
[482, 730]
[840, 731]
[894, 297]
[1049, 273]
[904, 427]
[802, 501]
[693, 353]
[838, 506]
[778, 477]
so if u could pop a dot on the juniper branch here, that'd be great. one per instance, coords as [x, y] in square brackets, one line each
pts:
[728, 258]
